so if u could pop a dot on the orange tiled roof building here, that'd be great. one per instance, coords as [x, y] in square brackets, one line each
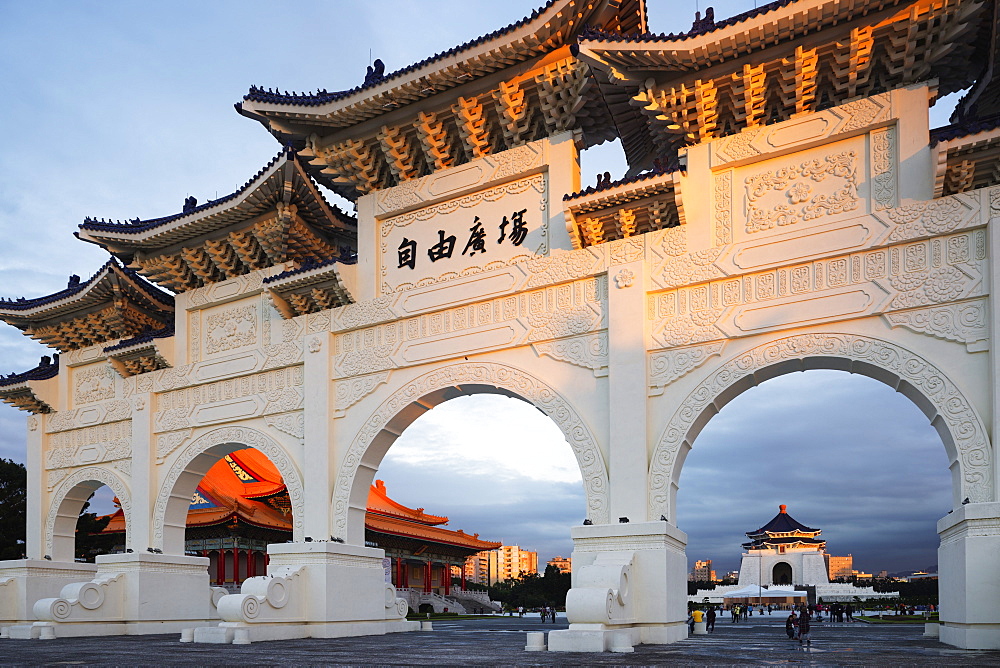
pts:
[242, 504]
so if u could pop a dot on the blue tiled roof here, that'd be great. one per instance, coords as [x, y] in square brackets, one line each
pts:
[47, 368]
[76, 285]
[964, 129]
[700, 27]
[146, 337]
[310, 265]
[603, 185]
[137, 226]
[259, 94]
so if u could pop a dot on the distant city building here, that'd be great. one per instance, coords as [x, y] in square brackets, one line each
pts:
[510, 562]
[702, 571]
[839, 568]
[477, 568]
[883, 574]
[564, 564]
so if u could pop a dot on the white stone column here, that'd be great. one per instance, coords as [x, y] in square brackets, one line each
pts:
[35, 536]
[142, 484]
[628, 464]
[993, 243]
[319, 460]
[969, 577]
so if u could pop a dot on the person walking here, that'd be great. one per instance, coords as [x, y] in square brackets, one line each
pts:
[804, 629]
[710, 624]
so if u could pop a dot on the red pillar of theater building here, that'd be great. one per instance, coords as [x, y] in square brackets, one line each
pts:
[236, 565]
[427, 577]
[251, 558]
[447, 578]
[220, 567]
[462, 568]
[400, 574]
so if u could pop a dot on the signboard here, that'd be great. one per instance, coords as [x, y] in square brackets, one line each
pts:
[484, 230]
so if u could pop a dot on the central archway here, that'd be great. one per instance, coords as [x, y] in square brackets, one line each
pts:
[950, 413]
[420, 395]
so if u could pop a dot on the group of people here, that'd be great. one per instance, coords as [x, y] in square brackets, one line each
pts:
[799, 625]
[743, 611]
[548, 613]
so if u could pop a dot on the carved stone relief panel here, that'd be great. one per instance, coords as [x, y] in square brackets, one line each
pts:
[231, 328]
[755, 143]
[929, 272]
[264, 393]
[555, 312]
[811, 188]
[93, 383]
[667, 366]
[98, 413]
[483, 230]
[962, 322]
[589, 351]
[671, 263]
[90, 445]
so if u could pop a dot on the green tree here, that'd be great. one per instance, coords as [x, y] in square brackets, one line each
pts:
[90, 542]
[13, 508]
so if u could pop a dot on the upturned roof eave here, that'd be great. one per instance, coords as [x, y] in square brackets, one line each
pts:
[420, 72]
[49, 306]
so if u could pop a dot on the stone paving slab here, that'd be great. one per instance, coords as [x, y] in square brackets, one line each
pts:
[500, 642]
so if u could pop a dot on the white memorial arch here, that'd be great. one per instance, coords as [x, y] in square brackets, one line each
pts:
[800, 214]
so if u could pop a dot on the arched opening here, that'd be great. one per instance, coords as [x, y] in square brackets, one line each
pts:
[502, 475]
[240, 507]
[850, 456]
[411, 428]
[416, 398]
[83, 506]
[252, 474]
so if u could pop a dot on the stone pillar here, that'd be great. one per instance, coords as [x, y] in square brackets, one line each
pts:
[427, 577]
[35, 537]
[319, 457]
[143, 485]
[447, 579]
[969, 577]
[627, 346]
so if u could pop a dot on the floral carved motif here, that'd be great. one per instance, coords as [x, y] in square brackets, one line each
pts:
[674, 266]
[167, 443]
[351, 391]
[883, 160]
[964, 426]
[589, 351]
[239, 437]
[935, 217]
[624, 278]
[231, 329]
[95, 384]
[667, 366]
[293, 424]
[724, 208]
[964, 322]
[578, 434]
[796, 184]
[95, 474]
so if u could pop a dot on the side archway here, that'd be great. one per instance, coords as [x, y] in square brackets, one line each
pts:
[961, 429]
[417, 397]
[187, 470]
[67, 502]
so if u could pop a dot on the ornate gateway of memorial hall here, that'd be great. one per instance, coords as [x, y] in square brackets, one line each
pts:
[787, 208]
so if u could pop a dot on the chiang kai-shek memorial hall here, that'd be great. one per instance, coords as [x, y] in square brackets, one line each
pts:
[787, 207]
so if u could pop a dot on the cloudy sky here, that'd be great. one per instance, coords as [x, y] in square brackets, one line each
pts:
[121, 110]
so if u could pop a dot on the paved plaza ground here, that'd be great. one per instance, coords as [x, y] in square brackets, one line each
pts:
[499, 641]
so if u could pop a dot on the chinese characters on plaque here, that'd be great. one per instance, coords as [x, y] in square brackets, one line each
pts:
[512, 230]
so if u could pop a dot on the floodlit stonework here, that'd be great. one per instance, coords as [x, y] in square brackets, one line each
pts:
[789, 210]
